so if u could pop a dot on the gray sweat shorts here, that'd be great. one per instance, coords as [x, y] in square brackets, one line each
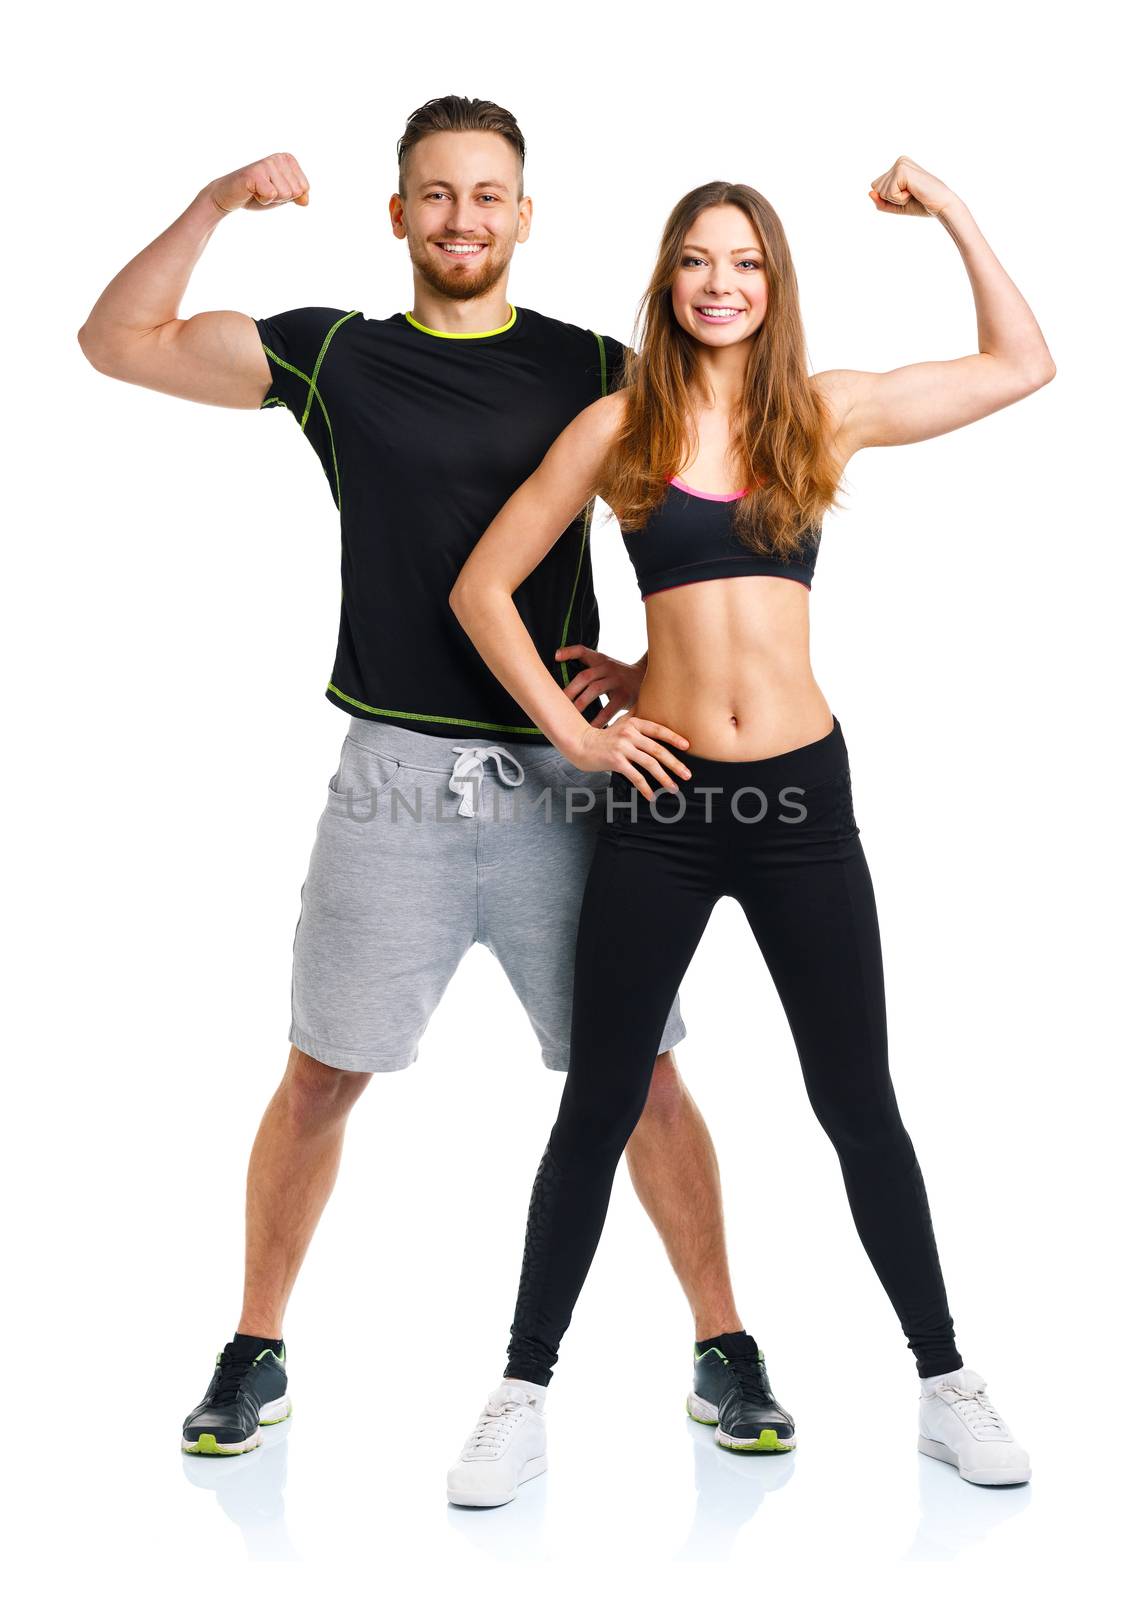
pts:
[428, 845]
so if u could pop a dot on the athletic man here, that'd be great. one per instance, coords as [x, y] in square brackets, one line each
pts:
[425, 422]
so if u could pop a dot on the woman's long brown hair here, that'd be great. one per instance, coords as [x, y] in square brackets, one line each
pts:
[780, 430]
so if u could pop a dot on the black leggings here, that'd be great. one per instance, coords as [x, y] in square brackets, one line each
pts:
[779, 836]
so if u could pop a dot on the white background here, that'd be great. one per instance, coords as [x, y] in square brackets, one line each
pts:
[171, 602]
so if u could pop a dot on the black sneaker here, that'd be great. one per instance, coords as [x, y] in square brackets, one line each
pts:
[243, 1395]
[730, 1391]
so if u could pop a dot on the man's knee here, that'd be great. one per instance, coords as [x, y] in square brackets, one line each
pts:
[593, 1129]
[317, 1095]
[667, 1097]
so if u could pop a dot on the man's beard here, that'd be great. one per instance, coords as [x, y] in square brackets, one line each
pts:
[466, 284]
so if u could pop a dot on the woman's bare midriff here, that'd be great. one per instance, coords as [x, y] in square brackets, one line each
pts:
[729, 668]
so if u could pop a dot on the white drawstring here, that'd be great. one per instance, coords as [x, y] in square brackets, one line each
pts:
[471, 760]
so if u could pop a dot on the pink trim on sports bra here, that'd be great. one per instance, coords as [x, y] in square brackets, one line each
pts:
[700, 494]
[686, 583]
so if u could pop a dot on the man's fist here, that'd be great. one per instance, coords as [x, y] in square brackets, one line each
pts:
[273, 181]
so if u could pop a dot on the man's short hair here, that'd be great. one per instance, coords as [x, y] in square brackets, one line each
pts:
[455, 113]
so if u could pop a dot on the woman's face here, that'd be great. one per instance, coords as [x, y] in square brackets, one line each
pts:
[720, 293]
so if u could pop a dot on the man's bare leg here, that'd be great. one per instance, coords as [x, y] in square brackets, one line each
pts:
[674, 1170]
[296, 1154]
[293, 1165]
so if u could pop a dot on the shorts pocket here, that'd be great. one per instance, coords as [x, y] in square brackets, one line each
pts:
[363, 775]
[594, 778]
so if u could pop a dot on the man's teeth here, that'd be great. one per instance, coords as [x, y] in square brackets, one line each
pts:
[463, 249]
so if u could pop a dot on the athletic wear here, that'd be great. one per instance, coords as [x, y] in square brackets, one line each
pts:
[958, 1424]
[246, 1393]
[423, 437]
[505, 1449]
[690, 538]
[249, 1345]
[780, 837]
[426, 847]
[731, 1392]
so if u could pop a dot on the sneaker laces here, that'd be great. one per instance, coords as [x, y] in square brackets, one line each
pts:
[230, 1370]
[749, 1374]
[973, 1407]
[493, 1426]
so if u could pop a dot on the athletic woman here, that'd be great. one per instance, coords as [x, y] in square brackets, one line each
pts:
[720, 458]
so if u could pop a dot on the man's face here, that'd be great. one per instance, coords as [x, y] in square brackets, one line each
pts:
[461, 212]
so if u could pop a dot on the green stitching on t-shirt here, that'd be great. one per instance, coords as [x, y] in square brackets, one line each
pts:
[586, 520]
[305, 376]
[422, 716]
[319, 361]
[326, 416]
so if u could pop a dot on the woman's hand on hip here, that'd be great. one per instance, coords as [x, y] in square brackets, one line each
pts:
[629, 745]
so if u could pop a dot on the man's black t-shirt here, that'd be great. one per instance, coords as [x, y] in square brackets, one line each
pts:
[423, 437]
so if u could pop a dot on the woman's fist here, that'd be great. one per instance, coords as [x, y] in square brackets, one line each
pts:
[273, 181]
[909, 191]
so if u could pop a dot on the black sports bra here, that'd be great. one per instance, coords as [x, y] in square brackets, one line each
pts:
[689, 538]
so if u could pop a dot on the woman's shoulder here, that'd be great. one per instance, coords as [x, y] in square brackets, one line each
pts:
[836, 389]
[600, 424]
[584, 444]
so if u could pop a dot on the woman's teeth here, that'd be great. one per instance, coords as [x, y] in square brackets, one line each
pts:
[718, 314]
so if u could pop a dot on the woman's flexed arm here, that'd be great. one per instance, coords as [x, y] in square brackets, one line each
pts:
[523, 532]
[933, 397]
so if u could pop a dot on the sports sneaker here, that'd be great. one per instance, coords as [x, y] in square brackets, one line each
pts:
[244, 1395]
[730, 1390]
[506, 1448]
[958, 1424]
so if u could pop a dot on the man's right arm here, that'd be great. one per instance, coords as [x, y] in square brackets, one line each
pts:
[134, 331]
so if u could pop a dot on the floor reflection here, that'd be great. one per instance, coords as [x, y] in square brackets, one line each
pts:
[730, 1489]
[954, 1515]
[249, 1489]
[511, 1532]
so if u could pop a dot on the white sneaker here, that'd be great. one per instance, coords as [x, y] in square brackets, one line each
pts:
[506, 1448]
[958, 1424]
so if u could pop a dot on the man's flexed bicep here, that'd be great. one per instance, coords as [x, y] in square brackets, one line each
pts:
[135, 332]
[215, 357]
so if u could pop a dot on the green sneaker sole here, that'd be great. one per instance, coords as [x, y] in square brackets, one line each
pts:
[208, 1445]
[766, 1444]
